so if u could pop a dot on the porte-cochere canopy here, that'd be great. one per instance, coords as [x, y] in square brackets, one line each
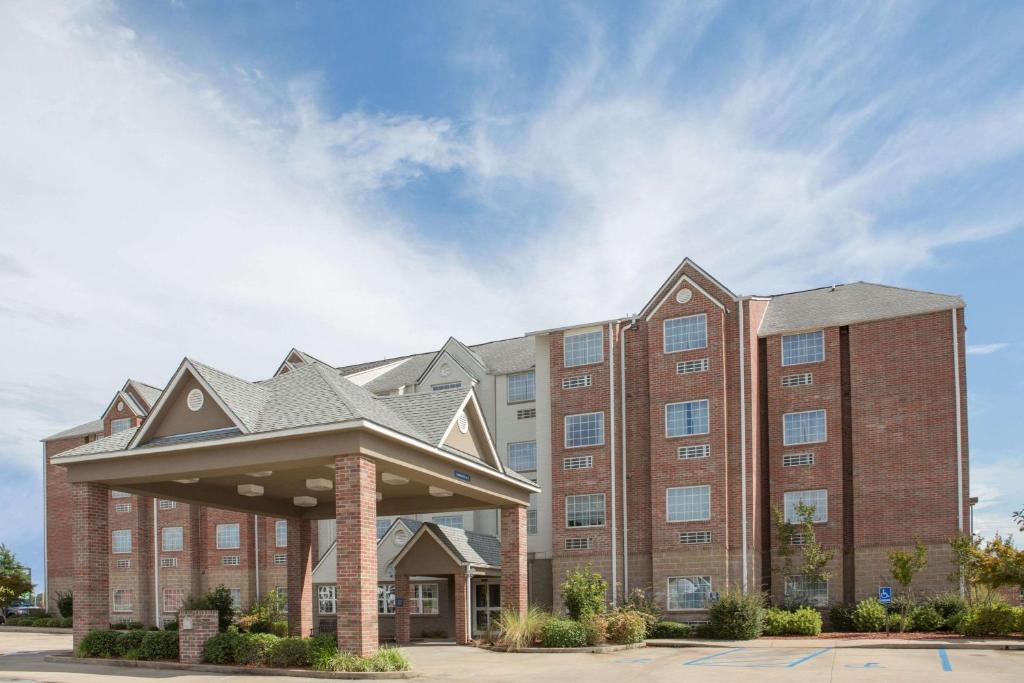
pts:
[267, 446]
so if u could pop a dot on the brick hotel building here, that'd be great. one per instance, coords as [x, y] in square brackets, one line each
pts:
[661, 442]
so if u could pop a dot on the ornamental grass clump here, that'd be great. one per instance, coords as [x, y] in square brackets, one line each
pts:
[517, 630]
[387, 658]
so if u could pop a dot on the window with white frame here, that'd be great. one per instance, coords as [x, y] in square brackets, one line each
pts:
[686, 334]
[172, 538]
[818, 499]
[121, 541]
[281, 533]
[522, 456]
[173, 598]
[236, 598]
[585, 429]
[584, 510]
[808, 347]
[120, 425]
[688, 503]
[687, 418]
[228, 537]
[385, 598]
[444, 386]
[424, 598]
[120, 494]
[583, 348]
[807, 590]
[688, 592]
[578, 462]
[522, 386]
[448, 520]
[326, 599]
[804, 427]
[123, 600]
[167, 504]
[382, 527]
[531, 522]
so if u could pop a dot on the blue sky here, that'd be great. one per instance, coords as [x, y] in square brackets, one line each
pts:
[228, 180]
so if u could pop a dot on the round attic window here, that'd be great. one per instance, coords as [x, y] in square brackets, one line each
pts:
[445, 370]
[194, 400]
[401, 537]
[684, 295]
[120, 406]
[463, 423]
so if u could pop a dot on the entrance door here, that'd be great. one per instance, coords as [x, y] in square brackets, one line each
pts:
[486, 605]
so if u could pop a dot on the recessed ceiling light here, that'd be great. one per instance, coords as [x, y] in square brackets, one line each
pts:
[439, 492]
[304, 501]
[260, 474]
[319, 484]
[393, 479]
[250, 490]
[187, 481]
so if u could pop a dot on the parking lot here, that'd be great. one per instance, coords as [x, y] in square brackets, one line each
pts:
[21, 660]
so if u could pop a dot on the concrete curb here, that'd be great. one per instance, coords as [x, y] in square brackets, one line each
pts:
[866, 644]
[243, 670]
[34, 629]
[595, 649]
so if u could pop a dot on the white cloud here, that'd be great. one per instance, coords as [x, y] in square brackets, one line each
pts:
[985, 349]
[998, 485]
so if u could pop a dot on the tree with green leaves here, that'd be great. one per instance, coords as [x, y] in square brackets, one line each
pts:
[14, 579]
[904, 566]
[813, 557]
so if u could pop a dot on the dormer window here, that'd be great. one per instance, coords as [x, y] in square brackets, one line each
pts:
[120, 425]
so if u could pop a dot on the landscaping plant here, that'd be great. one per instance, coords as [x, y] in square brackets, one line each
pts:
[99, 644]
[159, 645]
[870, 616]
[222, 648]
[737, 616]
[65, 603]
[626, 626]
[584, 592]
[813, 556]
[218, 599]
[516, 630]
[288, 653]
[640, 601]
[563, 633]
[254, 648]
[671, 629]
[992, 618]
[597, 628]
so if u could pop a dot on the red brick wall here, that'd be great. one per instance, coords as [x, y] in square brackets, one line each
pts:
[91, 548]
[60, 566]
[191, 640]
[355, 488]
[513, 558]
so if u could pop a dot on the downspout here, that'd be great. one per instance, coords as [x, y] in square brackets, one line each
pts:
[743, 443]
[256, 551]
[156, 563]
[468, 634]
[622, 420]
[959, 438]
[46, 533]
[611, 461]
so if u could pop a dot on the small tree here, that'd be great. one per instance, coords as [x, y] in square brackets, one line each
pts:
[813, 559]
[904, 567]
[584, 592]
[14, 580]
[967, 558]
[218, 599]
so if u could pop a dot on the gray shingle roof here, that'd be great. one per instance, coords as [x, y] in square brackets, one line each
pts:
[91, 427]
[245, 399]
[108, 444]
[470, 547]
[429, 412]
[149, 394]
[847, 304]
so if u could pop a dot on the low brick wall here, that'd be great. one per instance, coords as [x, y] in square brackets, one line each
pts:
[195, 627]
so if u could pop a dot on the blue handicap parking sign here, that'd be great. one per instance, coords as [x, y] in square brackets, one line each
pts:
[885, 595]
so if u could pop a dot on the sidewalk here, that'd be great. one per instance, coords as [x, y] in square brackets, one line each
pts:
[875, 643]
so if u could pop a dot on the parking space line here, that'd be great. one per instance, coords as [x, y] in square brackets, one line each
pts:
[944, 658]
[810, 656]
[707, 657]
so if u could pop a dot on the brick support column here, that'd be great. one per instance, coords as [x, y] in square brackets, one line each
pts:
[355, 495]
[195, 627]
[461, 610]
[403, 608]
[300, 578]
[513, 558]
[90, 539]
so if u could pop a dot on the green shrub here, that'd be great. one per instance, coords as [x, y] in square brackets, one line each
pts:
[67, 622]
[129, 640]
[775, 622]
[737, 616]
[288, 653]
[641, 602]
[171, 626]
[926, 618]
[950, 606]
[218, 599]
[254, 648]
[517, 630]
[626, 626]
[803, 621]
[989, 619]
[221, 649]
[159, 645]
[65, 603]
[99, 644]
[324, 641]
[385, 659]
[563, 633]
[671, 629]
[869, 616]
[1019, 626]
[899, 622]
[14, 621]
[584, 592]
[901, 604]
[389, 658]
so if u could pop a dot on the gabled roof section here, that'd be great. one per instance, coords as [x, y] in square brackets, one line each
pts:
[430, 412]
[461, 354]
[293, 359]
[466, 548]
[147, 392]
[679, 274]
[847, 304]
[85, 429]
[108, 444]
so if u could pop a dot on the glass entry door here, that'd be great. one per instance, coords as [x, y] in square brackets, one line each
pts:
[486, 605]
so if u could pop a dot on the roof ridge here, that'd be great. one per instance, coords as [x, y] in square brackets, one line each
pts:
[199, 363]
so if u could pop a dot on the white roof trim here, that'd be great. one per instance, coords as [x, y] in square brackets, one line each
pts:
[687, 279]
[121, 394]
[186, 365]
[566, 328]
[471, 397]
[424, 529]
[444, 350]
[364, 377]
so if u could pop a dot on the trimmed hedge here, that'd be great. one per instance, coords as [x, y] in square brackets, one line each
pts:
[671, 629]
[563, 633]
[99, 644]
[991, 619]
[222, 648]
[287, 653]
[254, 648]
[737, 616]
[159, 645]
[129, 642]
[869, 616]
[804, 621]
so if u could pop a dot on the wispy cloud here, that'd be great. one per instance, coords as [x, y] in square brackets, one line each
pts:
[985, 349]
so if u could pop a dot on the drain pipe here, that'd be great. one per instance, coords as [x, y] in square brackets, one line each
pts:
[959, 440]
[468, 634]
[611, 460]
[156, 564]
[743, 443]
[622, 421]
[256, 551]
